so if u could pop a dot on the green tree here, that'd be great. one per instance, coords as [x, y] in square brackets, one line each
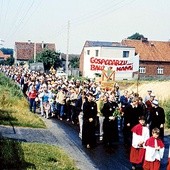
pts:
[49, 58]
[10, 61]
[31, 61]
[74, 62]
[7, 51]
[136, 36]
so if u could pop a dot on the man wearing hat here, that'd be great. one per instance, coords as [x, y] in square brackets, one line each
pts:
[157, 118]
[147, 97]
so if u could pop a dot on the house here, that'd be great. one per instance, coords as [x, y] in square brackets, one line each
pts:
[3, 56]
[154, 57]
[99, 55]
[25, 51]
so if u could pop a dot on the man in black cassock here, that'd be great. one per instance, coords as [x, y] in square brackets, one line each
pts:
[131, 118]
[157, 118]
[89, 119]
[110, 124]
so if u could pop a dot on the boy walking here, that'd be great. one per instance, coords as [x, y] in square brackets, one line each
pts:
[154, 151]
[140, 133]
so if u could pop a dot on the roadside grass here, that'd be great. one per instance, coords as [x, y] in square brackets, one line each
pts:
[166, 105]
[14, 108]
[21, 155]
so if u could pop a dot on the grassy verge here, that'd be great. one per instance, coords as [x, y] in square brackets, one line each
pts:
[20, 155]
[14, 108]
[166, 105]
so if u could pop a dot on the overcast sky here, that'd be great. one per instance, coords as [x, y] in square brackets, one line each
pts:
[95, 20]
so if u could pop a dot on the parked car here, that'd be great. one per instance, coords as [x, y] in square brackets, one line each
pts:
[60, 73]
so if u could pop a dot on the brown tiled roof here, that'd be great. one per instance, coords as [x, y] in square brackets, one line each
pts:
[25, 50]
[3, 56]
[150, 50]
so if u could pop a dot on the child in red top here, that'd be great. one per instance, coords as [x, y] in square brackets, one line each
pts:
[154, 151]
[32, 95]
[140, 133]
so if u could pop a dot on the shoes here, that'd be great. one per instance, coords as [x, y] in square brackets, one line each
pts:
[88, 146]
[133, 167]
[101, 138]
[61, 118]
[68, 120]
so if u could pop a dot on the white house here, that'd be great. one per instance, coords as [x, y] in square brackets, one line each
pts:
[97, 56]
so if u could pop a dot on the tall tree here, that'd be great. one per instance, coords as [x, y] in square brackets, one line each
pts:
[136, 36]
[74, 62]
[10, 61]
[49, 58]
[7, 51]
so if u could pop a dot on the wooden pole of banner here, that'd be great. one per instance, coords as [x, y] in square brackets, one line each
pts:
[138, 82]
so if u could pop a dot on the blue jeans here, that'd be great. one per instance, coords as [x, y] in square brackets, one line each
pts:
[32, 104]
[61, 109]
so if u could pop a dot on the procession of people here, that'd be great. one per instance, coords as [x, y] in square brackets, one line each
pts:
[100, 113]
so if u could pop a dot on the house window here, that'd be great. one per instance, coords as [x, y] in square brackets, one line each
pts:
[88, 52]
[125, 54]
[97, 53]
[142, 70]
[160, 70]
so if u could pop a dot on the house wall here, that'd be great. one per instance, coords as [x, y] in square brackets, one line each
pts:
[151, 70]
[89, 68]
[27, 50]
[81, 65]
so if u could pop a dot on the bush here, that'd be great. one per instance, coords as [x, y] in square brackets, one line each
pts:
[10, 86]
[166, 106]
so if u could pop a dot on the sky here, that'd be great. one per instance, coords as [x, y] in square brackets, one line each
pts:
[69, 23]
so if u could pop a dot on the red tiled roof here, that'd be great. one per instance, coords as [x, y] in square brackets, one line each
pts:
[3, 56]
[150, 50]
[25, 50]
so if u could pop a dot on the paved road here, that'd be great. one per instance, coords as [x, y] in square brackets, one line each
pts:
[65, 135]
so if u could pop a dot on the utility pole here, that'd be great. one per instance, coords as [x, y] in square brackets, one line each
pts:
[35, 52]
[67, 55]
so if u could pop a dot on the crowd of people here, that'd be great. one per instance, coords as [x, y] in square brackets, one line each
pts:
[96, 109]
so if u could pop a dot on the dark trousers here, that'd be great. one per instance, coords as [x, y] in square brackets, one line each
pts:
[32, 105]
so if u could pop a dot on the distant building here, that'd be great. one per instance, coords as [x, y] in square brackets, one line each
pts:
[3, 56]
[63, 58]
[25, 51]
[98, 55]
[154, 58]
[71, 71]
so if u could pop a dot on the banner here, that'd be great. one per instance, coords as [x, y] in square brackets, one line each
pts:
[119, 65]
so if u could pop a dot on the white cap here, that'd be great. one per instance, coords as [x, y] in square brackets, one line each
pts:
[155, 102]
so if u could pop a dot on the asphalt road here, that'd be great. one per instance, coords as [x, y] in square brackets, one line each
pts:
[65, 135]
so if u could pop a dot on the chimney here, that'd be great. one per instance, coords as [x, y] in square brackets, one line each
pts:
[144, 39]
[152, 44]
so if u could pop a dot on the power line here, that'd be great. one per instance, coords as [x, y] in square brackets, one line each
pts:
[103, 12]
[22, 19]
[106, 9]
[16, 17]
[1, 13]
[97, 11]
[19, 29]
[5, 17]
